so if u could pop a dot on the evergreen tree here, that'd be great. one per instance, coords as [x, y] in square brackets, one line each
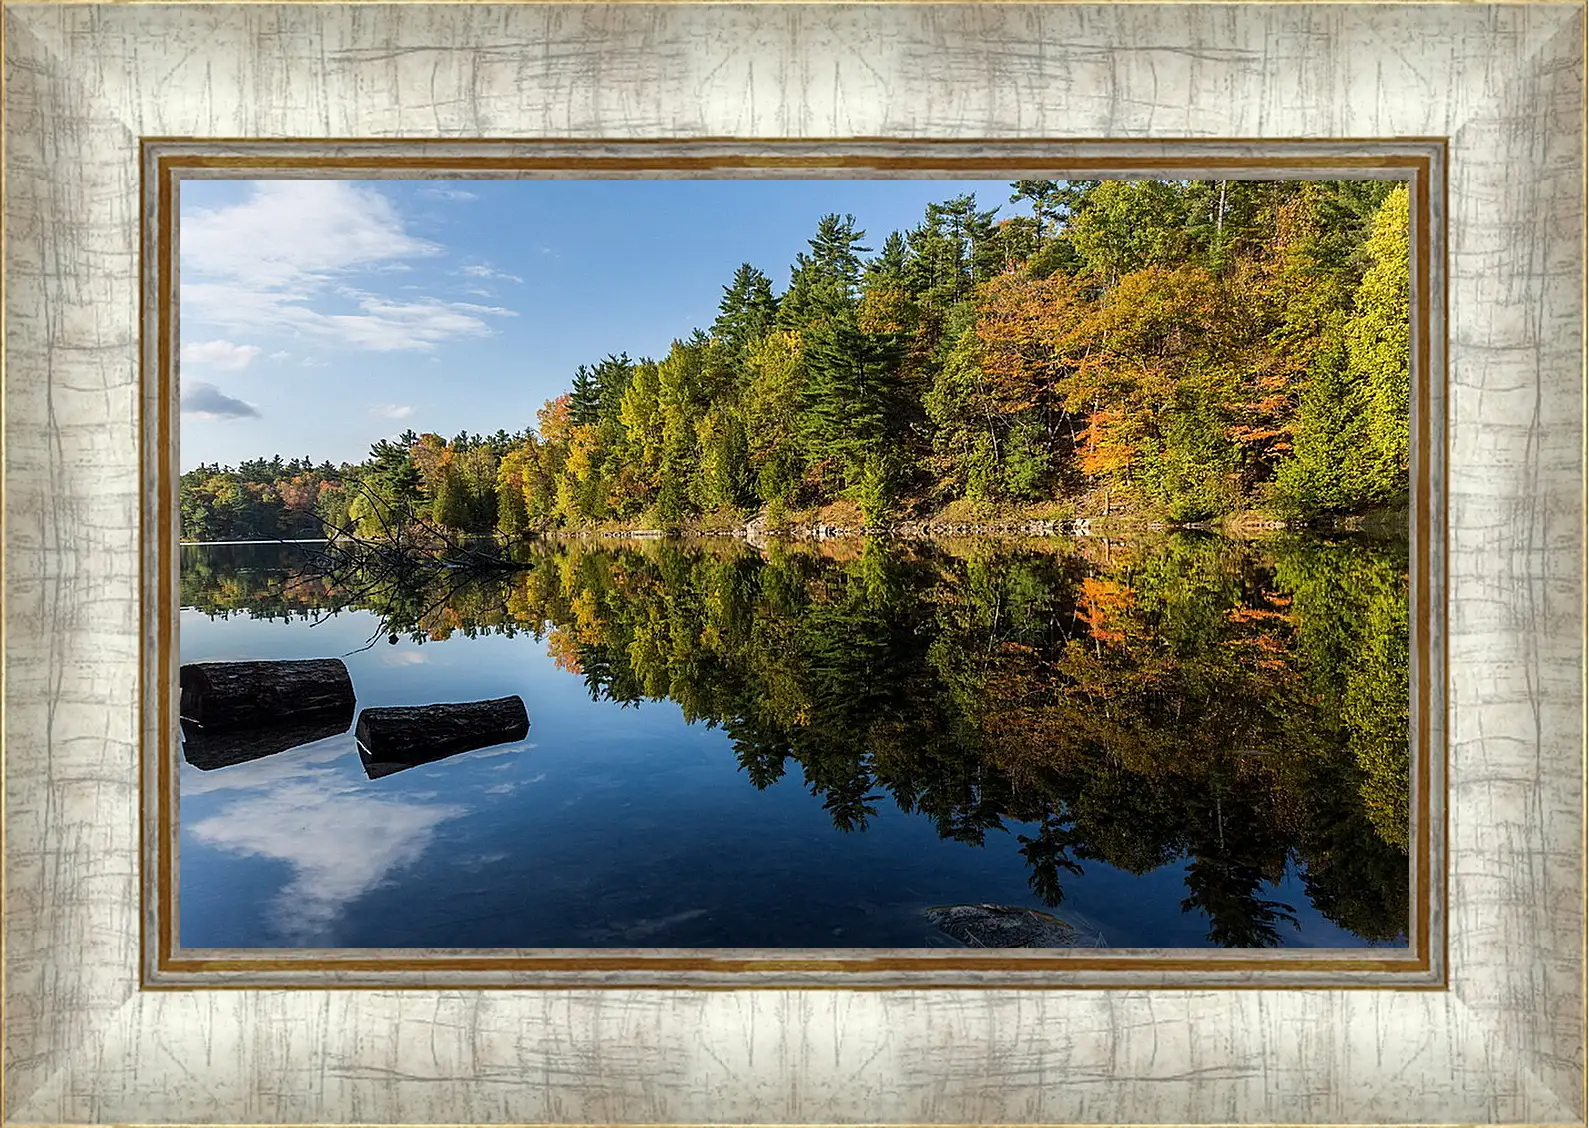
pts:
[612, 375]
[584, 397]
[889, 266]
[825, 282]
[748, 309]
[851, 398]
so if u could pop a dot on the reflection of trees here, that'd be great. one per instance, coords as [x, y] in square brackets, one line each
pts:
[1189, 700]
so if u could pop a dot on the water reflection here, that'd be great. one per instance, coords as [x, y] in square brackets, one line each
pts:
[339, 846]
[207, 749]
[1235, 710]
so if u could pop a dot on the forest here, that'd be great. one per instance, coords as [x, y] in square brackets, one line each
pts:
[1173, 352]
[1240, 708]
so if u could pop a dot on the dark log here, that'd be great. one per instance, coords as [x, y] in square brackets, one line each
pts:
[207, 750]
[392, 739]
[235, 695]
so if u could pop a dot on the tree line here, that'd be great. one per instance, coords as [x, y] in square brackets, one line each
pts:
[1175, 350]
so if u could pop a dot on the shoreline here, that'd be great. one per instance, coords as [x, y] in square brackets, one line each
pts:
[1077, 528]
[757, 531]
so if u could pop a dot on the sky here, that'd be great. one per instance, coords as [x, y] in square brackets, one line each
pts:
[318, 316]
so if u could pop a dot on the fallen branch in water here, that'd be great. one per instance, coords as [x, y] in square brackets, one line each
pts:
[405, 557]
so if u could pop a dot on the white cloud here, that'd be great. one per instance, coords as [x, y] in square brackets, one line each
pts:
[480, 271]
[291, 230]
[282, 354]
[277, 261]
[206, 401]
[447, 194]
[220, 354]
[395, 411]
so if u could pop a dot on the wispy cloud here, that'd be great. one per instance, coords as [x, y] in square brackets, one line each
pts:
[280, 262]
[479, 270]
[393, 411]
[280, 354]
[206, 401]
[291, 231]
[446, 194]
[220, 354]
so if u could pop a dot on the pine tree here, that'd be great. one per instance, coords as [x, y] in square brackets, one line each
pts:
[584, 397]
[748, 309]
[851, 398]
[612, 375]
[889, 267]
[824, 283]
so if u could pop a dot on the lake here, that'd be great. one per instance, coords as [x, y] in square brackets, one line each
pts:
[1179, 741]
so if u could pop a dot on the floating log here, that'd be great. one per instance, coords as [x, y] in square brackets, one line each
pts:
[392, 739]
[207, 750]
[223, 696]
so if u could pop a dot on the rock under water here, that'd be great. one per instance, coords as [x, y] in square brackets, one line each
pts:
[1008, 926]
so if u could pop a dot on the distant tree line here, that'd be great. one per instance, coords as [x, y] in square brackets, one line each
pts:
[1179, 350]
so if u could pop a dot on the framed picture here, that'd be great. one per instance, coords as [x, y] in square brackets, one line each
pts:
[958, 573]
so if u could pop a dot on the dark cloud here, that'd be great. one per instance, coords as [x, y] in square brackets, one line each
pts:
[208, 402]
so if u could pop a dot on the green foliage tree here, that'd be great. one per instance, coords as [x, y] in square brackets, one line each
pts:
[452, 508]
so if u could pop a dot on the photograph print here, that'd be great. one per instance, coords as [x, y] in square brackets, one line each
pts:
[794, 563]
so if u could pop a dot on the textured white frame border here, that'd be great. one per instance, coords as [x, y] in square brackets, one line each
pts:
[85, 83]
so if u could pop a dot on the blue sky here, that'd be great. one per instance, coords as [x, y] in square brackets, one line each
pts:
[317, 316]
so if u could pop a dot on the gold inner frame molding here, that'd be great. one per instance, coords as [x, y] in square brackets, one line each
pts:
[166, 965]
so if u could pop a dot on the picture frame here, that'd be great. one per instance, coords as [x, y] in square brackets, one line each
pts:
[169, 165]
[93, 1035]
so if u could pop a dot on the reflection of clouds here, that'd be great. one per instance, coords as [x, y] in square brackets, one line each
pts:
[513, 785]
[340, 846]
[403, 658]
[519, 746]
[304, 762]
[478, 862]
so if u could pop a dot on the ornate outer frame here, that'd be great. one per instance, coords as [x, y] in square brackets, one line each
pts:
[1500, 1040]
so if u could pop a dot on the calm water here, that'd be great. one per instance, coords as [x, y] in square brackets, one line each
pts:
[1188, 742]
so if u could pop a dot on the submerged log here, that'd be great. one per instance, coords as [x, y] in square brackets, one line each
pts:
[224, 696]
[1007, 926]
[392, 739]
[207, 749]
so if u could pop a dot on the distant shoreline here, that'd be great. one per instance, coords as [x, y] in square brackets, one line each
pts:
[262, 540]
